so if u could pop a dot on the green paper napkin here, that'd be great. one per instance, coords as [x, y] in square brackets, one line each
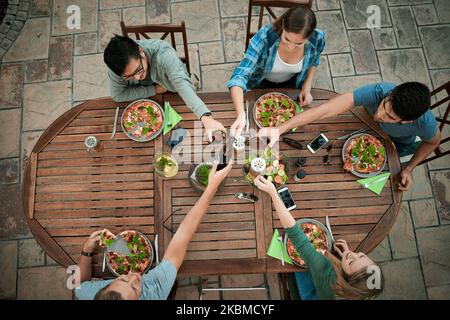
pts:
[375, 184]
[170, 115]
[274, 250]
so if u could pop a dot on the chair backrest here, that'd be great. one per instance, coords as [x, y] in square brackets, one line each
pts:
[268, 5]
[443, 120]
[146, 29]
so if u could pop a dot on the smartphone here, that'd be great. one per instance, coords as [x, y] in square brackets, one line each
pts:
[320, 141]
[287, 198]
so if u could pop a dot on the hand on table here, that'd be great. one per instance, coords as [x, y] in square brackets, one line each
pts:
[265, 185]
[216, 177]
[406, 180]
[159, 89]
[305, 98]
[272, 133]
[211, 125]
[238, 125]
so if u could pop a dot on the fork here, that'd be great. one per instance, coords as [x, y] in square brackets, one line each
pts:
[280, 239]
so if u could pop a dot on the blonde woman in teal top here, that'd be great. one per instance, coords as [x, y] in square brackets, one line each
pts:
[349, 277]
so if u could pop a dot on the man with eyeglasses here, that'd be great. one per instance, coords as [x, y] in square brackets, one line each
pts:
[143, 68]
[402, 111]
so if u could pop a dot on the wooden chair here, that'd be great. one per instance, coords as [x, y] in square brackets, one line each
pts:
[444, 121]
[268, 5]
[144, 30]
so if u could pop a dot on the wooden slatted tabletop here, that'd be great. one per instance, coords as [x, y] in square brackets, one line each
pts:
[69, 193]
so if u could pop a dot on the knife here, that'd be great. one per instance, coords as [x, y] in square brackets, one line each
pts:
[327, 221]
[247, 124]
[115, 122]
[354, 132]
[156, 249]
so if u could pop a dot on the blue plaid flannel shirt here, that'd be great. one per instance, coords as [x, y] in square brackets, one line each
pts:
[260, 56]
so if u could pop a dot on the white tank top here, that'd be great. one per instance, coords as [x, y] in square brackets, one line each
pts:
[282, 71]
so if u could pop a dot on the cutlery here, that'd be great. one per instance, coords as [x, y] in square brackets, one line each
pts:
[354, 132]
[115, 122]
[156, 249]
[327, 222]
[246, 196]
[280, 239]
[104, 260]
[247, 123]
[366, 185]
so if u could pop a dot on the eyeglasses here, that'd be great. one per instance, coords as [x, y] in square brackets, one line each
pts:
[326, 158]
[137, 72]
[293, 143]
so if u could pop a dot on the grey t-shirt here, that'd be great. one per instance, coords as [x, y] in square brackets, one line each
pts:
[156, 284]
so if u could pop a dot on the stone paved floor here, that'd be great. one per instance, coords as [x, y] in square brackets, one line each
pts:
[46, 69]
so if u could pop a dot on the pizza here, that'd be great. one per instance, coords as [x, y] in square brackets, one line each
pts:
[273, 109]
[364, 154]
[316, 236]
[137, 261]
[142, 119]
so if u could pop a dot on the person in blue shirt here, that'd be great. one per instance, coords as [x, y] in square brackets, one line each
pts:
[157, 283]
[284, 54]
[402, 111]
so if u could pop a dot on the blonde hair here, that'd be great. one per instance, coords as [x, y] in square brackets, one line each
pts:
[352, 287]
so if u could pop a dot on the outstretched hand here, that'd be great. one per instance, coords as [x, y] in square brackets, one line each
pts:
[265, 185]
[216, 177]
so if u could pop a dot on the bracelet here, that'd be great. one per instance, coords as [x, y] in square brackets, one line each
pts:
[87, 254]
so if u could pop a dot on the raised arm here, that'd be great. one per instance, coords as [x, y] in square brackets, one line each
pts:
[177, 248]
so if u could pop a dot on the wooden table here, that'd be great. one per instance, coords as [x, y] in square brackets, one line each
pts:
[69, 193]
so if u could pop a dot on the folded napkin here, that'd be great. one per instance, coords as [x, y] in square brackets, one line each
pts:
[275, 248]
[170, 117]
[375, 184]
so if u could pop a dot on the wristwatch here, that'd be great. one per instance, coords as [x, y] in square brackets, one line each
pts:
[87, 254]
[206, 114]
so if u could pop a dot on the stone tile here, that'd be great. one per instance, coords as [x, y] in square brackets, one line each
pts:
[193, 61]
[401, 236]
[434, 246]
[402, 280]
[363, 52]
[113, 4]
[29, 139]
[86, 43]
[43, 283]
[382, 252]
[44, 102]
[400, 66]
[109, 25]
[421, 187]
[49, 261]
[356, 15]
[134, 16]
[30, 254]
[384, 38]
[13, 224]
[90, 77]
[440, 181]
[9, 171]
[40, 8]
[36, 71]
[244, 281]
[8, 265]
[235, 8]
[322, 77]
[407, 2]
[327, 4]
[424, 213]
[234, 38]
[405, 27]
[201, 17]
[425, 14]
[158, 12]
[60, 62]
[32, 42]
[10, 133]
[255, 22]
[88, 16]
[439, 292]
[215, 77]
[11, 78]
[341, 65]
[332, 24]
[187, 293]
[436, 44]
[443, 10]
[211, 52]
[348, 84]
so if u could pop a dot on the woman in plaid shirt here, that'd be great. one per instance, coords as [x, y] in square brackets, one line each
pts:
[283, 54]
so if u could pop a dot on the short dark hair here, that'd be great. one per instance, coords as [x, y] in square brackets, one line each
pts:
[105, 294]
[300, 20]
[118, 53]
[410, 100]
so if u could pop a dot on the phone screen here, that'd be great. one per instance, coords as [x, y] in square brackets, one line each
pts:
[319, 142]
[286, 197]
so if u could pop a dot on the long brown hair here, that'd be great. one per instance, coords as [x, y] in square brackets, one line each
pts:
[353, 287]
[300, 20]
